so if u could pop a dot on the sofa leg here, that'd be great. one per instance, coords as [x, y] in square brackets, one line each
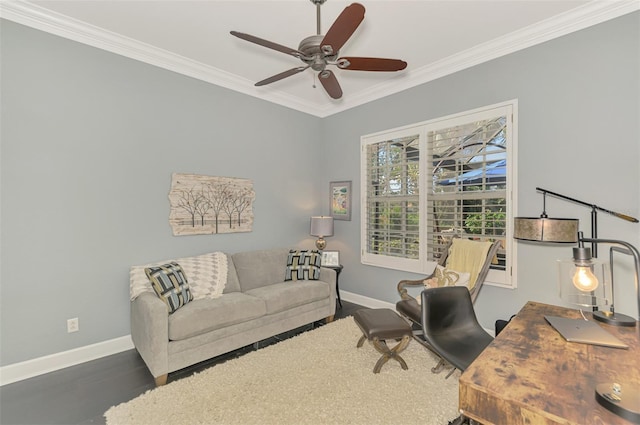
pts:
[161, 380]
[329, 319]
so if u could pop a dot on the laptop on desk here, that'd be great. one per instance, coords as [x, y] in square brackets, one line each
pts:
[584, 331]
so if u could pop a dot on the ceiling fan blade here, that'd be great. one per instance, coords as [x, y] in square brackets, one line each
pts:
[280, 76]
[330, 83]
[268, 44]
[342, 28]
[371, 64]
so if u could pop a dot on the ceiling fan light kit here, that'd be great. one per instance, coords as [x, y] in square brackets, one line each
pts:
[319, 51]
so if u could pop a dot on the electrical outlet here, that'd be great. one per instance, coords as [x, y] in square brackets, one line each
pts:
[73, 325]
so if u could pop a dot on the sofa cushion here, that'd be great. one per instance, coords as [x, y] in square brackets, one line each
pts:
[286, 295]
[260, 268]
[303, 265]
[170, 284]
[232, 277]
[209, 314]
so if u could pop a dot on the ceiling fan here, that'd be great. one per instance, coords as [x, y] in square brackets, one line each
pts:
[318, 51]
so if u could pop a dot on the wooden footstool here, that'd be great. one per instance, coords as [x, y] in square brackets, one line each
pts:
[379, 325]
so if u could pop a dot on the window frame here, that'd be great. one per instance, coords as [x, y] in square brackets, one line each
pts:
[501, 278]
[398, 263]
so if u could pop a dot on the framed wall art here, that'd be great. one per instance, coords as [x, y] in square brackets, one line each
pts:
[205, 205]
[330, 258]
[340, 200]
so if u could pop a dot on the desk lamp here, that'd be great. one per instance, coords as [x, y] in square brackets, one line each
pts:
[546, 229]
[321, 226]
[622, 402]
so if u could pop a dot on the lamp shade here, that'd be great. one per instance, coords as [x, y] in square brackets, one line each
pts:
[321, 226]
[542, 229]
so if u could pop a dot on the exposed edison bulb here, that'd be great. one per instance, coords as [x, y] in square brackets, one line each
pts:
[584, 279]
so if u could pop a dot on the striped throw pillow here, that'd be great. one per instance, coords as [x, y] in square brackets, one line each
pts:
[303, 265]
[170, 284]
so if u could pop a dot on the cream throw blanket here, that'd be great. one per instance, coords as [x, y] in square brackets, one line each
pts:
[206, 274]
[468, 256]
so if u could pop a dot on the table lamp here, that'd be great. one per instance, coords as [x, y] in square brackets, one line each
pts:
[321, 226]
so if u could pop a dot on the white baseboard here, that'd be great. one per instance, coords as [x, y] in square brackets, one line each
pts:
[365, 301]
[30, 368]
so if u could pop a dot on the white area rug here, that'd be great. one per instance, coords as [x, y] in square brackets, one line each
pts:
[318, 377]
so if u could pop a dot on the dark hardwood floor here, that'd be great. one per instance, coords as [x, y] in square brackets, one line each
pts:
[81, 394]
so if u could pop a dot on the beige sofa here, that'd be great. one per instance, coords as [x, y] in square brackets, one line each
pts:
[256, 303]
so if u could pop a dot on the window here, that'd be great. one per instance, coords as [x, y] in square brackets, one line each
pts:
[427, 182]
[392, 221]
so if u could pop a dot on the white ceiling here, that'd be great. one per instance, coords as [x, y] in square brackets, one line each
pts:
[435, 37]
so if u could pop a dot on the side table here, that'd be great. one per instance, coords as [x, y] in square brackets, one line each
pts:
[338, 269]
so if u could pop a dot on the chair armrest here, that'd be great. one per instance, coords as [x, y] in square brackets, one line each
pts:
[402, 286]
[404, 283]
[150, 332]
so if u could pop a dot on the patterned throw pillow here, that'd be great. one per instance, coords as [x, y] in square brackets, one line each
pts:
[303, 265]
[444, 277]
[170, 284]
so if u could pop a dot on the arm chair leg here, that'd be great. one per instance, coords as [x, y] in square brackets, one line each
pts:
[439, 367]
[450, 373]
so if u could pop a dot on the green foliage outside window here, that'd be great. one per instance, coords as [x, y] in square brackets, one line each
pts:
[488, 223]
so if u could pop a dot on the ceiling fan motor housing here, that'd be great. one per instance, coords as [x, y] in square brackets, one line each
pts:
[314, 55]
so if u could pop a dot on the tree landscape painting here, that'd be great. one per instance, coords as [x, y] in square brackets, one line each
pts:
[204, 205]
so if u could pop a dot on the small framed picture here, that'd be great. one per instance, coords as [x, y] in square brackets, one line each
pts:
[340, 200]
[330, 258]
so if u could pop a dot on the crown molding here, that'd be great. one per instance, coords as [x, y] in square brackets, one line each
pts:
[592, 13]
[34, 16]
[595, 12]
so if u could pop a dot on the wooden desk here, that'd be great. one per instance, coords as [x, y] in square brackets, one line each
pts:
[530, 375]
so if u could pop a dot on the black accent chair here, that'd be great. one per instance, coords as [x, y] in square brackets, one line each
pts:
[409, 308]
[450, 326]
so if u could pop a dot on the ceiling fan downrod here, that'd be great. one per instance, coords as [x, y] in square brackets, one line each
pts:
[318, 3]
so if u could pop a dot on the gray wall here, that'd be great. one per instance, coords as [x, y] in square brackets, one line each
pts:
[579, 119]
[90, 139]
[89, 142]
